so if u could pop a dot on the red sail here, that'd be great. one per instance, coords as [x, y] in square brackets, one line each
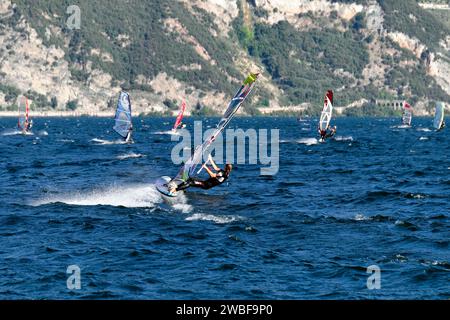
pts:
[180, 116]
[329, 94]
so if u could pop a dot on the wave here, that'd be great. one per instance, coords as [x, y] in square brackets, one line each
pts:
[415, 196]
[423, 138]
[305, 141]
[384, 195]
[401, 126]
[361, 217]
[183, 206]
[423, 129]
[43, 133]
[108, 142]
[169, 132]
[308, 141]
[343, 138]
[13, 132]
[339, 219]
[66, 140]
[131, 196]
[131, 155]
[407, 225]
[219, 219]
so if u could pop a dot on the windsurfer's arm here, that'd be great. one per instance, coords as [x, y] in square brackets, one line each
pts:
[211, 174]
[213, 163]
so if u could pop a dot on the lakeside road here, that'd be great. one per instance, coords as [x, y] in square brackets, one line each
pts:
[106, 114]
[272, 111]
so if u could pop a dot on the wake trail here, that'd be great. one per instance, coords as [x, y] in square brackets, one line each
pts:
[130, 196]
[107, 142]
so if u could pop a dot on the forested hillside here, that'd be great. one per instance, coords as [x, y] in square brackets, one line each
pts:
[200, 50]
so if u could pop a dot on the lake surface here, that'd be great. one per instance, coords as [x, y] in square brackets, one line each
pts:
[73, 194]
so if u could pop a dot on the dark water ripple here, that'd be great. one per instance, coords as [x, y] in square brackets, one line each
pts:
[377, 195]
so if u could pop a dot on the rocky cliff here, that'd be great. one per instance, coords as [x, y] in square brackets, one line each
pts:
[199, 51]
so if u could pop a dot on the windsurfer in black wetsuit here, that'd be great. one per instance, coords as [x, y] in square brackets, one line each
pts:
[217, 176]
[328, 133]
[331, 133]
[27, 125]
[128, 138]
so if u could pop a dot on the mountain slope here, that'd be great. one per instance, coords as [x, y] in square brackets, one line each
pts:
[199, 50]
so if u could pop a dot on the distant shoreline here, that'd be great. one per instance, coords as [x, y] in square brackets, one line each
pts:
[43, 114]
[109, 114]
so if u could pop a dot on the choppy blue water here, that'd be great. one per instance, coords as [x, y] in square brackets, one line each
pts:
[376, 195]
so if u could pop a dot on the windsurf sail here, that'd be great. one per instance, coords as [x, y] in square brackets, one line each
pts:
[24, 120]
[179, 117]
[439, 115]
[123, 122]
[327, 111]
[189, 168]
[407, 114]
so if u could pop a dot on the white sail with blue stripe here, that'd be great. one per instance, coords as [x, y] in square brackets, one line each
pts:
[123, 124]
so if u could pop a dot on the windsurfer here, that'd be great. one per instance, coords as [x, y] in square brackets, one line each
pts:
[217, 176]
[26, 126]
[186, 176]
[323, 134]
[128, 137]
[328, 133]
[331, 132]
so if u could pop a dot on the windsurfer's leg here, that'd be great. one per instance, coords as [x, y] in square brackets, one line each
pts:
[196, 183]
[183, 186]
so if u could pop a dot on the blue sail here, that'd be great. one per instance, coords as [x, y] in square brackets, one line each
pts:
[123, 122]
